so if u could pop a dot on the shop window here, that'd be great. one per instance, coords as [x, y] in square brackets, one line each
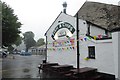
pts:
[91, 52]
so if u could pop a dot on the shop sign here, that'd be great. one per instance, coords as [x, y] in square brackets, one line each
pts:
[63, 25]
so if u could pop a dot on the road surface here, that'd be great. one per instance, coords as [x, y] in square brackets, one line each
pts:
[21, 66]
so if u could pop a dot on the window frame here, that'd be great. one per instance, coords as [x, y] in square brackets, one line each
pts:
[91, 52]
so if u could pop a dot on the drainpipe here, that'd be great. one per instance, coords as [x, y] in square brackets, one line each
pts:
[46, 50]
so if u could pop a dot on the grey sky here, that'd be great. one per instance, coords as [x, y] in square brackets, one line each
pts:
[38, 15]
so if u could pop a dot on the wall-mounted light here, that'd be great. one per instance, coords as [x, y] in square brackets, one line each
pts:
[59, 21]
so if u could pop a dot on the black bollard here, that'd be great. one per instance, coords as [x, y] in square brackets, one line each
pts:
[39, 67]
[44, 61]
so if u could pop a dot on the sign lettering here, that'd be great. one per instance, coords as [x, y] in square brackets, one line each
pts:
[63, 25]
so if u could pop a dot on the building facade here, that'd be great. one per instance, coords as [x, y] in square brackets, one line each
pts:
[99, 47]
[41, 50]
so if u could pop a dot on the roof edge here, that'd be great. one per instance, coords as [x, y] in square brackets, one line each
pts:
[115, 29]
[55, 20]
[52, 23]
[96, 25]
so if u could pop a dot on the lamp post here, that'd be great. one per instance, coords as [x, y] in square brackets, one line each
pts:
[46, 49]
[77, 32]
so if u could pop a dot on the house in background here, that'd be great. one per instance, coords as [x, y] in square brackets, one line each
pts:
[98, 41]
[21, 47]
[41, 50]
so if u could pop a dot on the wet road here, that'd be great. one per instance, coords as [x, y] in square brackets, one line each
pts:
[21, 66]
[0, 68]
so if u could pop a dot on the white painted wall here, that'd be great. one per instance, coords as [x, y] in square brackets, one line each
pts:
[82, 27]
[116, 49]
[61, 57]
[104, 61]
[119, 55]
[95, 31]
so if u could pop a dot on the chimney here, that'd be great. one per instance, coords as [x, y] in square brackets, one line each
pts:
[64, 7]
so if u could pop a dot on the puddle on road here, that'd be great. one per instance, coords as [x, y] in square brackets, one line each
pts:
[28, 76]
[26, 70]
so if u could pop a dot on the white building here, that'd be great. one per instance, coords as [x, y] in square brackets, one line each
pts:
[98, 46]
[41, 50]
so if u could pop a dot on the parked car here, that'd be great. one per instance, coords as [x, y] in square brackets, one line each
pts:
[16, 52]
[4, 54]
[25, 53]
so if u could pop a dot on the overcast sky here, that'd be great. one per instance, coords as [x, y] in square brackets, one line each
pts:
[38, 15]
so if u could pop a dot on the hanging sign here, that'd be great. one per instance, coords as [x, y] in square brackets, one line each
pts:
[63, 33]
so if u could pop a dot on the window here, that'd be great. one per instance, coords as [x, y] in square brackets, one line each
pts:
[106, 32]
[91, 52]
[88, 32]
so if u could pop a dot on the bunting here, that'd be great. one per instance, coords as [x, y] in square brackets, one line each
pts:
[70, 42]
[61, 48]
